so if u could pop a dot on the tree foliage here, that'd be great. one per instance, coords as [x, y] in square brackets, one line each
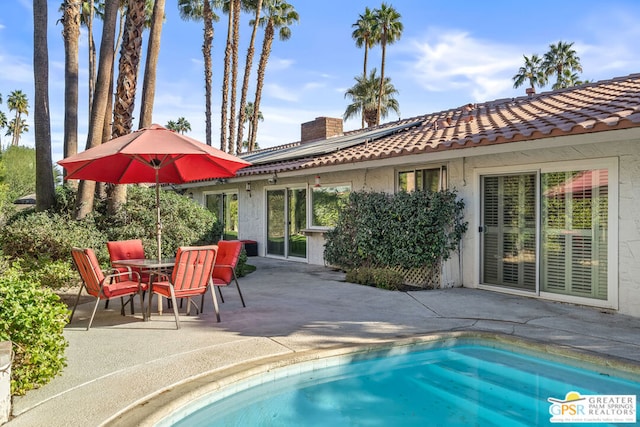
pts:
[19, 165]
[32, 318]
[561, 61]
[404, 230]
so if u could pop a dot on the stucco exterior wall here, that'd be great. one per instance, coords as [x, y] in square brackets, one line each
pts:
[627, 152]
[464, 168]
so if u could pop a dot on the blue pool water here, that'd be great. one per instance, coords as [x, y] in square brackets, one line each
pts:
[460, 385]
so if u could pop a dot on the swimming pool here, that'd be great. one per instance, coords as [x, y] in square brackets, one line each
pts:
[453, 382]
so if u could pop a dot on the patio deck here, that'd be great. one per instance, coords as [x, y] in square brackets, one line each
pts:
[293, 310]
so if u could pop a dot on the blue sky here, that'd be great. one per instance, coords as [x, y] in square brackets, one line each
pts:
[450, 54]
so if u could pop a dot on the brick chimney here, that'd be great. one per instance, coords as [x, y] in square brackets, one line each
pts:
[320, 128]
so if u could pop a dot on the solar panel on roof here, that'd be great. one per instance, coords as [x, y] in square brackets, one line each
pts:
[324, 146]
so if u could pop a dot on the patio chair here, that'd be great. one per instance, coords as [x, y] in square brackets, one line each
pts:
[191, 277]
[225, 269]
[126, 249]
[105, 287]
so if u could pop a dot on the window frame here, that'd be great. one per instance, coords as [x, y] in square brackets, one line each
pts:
[224, 193]
[310, 210]
[612, 166]
[443, 178]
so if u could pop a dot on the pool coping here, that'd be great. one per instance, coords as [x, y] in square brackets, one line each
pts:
[156, 407]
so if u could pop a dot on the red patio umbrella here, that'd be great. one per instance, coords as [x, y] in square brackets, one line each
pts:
[152, 155]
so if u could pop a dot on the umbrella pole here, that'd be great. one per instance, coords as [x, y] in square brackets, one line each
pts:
[158, 224]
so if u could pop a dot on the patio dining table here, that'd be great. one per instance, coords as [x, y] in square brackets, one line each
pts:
[153, 266]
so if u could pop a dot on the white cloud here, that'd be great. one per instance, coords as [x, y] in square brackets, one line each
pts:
[279, 64]
[280, 92]
[15, 69]
[448, 60]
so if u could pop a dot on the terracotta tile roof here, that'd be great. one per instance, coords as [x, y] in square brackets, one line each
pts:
[595, 107]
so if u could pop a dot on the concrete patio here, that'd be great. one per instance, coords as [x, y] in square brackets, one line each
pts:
[293, 309]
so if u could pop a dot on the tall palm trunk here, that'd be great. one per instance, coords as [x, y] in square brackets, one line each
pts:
[234, 77]
[126, 87]
[15, 136]
[364, 72]
[225, 82]
[45, 190]
[381, 94]
[153, 51]
[99, 118]
[247, 74]
[71, 34]
[92, 53]
[207, 15]
[262, 65]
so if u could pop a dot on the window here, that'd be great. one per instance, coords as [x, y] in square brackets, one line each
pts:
[574, 232]
[225, 207]
[551, 230]
[326, 202]
[433, 179]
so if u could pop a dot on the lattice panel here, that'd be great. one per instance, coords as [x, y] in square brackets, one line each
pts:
[423, 277]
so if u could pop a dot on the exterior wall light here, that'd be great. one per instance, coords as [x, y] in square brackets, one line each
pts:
[247, 187]
[317, 181]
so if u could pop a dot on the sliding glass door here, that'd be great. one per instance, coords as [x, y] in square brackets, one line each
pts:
[225, 207]
[286, 218]
[574, 232]
[547, 232]
[509, 231]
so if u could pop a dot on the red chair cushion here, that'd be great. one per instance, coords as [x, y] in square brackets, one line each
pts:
[127, 249]
[117, 289]
[227, 259]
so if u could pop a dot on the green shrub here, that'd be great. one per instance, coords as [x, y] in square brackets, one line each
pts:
[43, 240]
[384, 278]
[58, 274]
[32, 318]
[184, 222]
[362, 276]
[404, 230]
[50, 236]
[242, 264]
[387, 278]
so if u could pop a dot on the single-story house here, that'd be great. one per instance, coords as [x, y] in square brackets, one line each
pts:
[550, 181]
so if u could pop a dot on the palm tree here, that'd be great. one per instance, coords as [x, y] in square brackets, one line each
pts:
[245, 145]
[16, 128]
[364, 36]
[171, 125]
[87, 14]
[242, 119]
[183, 125]
[17, 102]
[531, 72]
[559, 58]
[234, 76]
[126, 87]
[278, 15]
[128, 68]
[3, 123]
[249, 117]
[98, 123]
[200, 10]
[232, 8]
[153, 51]
[71, 34]
[389, 28]
[365, 96]
[45, 187]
